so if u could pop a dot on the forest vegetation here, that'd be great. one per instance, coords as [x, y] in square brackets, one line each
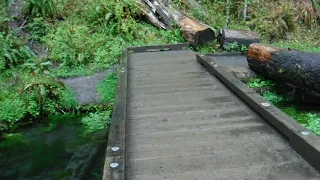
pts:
[82, 37]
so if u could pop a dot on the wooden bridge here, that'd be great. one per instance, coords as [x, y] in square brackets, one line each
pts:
[181, 116]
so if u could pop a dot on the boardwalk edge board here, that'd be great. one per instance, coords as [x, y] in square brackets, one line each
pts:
[303, 141]
[155, 48]
[115, 158]
[114, 167]
[226, 54]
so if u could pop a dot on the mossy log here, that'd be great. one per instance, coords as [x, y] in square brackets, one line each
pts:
[244, 38]
[300, 69]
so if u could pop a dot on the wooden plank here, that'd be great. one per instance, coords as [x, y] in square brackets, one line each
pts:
[301, 139]
[114, 167]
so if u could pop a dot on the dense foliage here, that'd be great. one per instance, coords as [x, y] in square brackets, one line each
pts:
[83, 37]
[285, 102]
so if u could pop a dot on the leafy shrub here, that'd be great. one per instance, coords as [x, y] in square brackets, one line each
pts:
[259, 83]
[273, 97]
[38, 28]
[95, 121]
[107, 88]
[11, 111]
[38, 67]
[49, 94]
[74, 45]
[314, 123]
[12, 52]
[310, 43]
[306, 13]
[3, 23]
[43, 8]
[277, 23]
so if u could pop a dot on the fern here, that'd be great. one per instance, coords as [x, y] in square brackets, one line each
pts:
[43, 8]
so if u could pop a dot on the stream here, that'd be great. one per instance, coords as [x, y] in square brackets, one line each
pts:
[37, 152]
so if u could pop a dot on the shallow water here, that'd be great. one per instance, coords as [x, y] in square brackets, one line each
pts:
[37, 154]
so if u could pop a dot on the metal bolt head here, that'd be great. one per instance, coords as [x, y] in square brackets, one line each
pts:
[265, 104]
[305, 133]
[114, 165]
[114, 149]
[215, 65]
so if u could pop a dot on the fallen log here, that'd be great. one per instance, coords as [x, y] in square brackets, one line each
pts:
[194, 31]
[243, 38]
[300, 69]
[150, 16]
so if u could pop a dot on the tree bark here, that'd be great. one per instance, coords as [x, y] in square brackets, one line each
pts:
[300, 69]
[227, 13]
[165, 15]
[245, 10]
[194, 31]
[228, 36]
[150, 16]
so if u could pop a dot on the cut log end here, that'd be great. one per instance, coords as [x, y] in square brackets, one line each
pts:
[195, 32]
[261, 52]
[204, 36]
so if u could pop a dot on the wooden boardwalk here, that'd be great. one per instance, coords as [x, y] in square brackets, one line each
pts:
[177, 121]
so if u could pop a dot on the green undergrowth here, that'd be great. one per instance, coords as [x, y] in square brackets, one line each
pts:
[87, 36]
[309, 119]
[284, 23]
[98, 120]
[83, 37]
[94, 117]
[259, 82]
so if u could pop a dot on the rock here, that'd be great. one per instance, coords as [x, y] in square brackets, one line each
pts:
[85, 87]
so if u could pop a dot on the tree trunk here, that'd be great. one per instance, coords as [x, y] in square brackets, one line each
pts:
[150, 16]
[300, 69]
[245, 10]
[193, 31]
[227, 13]
[228, 36]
